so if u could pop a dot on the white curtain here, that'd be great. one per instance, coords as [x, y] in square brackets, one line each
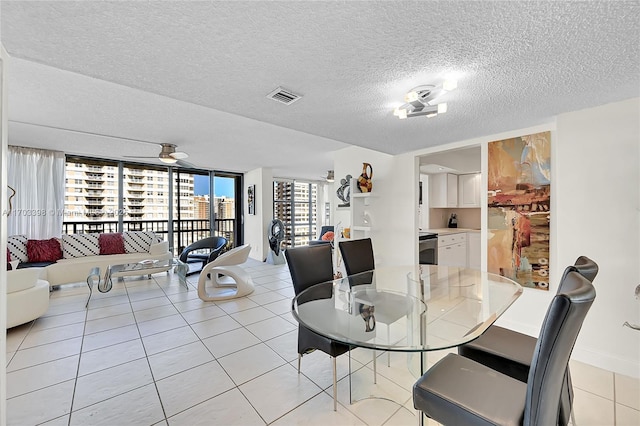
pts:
[37, 176]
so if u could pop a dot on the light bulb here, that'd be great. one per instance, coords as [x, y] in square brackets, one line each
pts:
[412, 96]
[450, 85]
[401, 113]
[442, 108]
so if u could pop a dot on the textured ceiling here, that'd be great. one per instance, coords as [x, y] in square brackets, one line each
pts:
[207, 67]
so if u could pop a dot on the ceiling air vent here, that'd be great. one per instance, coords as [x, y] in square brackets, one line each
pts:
[284, 96]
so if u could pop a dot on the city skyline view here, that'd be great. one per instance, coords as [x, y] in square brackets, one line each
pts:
[223, 187]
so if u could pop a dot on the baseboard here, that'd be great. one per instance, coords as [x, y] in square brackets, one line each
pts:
[626, 367]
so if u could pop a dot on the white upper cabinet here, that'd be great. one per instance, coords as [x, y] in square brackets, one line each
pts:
[443, 190]
[469, 190]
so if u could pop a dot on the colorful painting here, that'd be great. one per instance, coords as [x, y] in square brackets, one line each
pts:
[519, 185]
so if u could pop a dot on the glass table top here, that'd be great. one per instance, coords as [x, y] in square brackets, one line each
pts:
[408, 309]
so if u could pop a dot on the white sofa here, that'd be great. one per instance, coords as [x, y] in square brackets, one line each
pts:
[66, 271]
[27, 296]
[80, 256]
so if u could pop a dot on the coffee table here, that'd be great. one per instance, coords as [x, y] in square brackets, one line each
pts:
[105, 284]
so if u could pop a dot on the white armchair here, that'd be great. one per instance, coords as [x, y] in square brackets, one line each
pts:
[27, 296]
[226, 279]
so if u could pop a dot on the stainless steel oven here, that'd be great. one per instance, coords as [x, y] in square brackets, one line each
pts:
[428, 248]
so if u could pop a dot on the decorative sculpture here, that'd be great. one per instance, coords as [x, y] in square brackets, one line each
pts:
[276, 237]
[344, 191]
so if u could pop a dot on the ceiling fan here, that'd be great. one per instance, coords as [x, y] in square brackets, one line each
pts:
[169, 155]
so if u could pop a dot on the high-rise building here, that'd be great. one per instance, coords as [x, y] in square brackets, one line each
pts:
[225, 208]
[201, 206]
[92, 192]
[293, 204]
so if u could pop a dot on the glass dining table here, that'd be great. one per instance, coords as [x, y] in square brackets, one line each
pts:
[413, 309]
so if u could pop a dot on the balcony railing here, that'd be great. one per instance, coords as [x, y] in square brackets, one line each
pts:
[185, 232]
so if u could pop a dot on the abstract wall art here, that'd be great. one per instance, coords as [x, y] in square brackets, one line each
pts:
[251, 199]
[519, 184]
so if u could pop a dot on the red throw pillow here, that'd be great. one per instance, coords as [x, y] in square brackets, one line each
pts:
[328, 236]
[112, 243]
[44, 250]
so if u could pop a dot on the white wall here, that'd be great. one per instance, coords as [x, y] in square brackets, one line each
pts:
[595, 212]
[255, 226]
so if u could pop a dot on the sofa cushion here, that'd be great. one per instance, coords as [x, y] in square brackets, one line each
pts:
[80, 245]
[139, 242]
[328, 236]
[44, 250]
[112, 243]
[17, 245]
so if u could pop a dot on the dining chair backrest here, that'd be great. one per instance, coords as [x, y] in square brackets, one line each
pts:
[553, 349]
[357, 255]
[584, 266]
[309, 265]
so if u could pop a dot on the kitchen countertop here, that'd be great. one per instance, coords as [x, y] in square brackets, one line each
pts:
[448, 231]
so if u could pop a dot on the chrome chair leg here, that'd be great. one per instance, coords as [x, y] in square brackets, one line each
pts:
[299, 360]
[335, 385]
[375, 369]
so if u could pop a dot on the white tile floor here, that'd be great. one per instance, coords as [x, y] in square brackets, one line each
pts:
[151, 353]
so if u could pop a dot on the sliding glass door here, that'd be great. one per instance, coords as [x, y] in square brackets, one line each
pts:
[180, 205]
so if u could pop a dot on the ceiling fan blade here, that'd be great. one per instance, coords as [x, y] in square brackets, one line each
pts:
[179, 155]
[185, 164]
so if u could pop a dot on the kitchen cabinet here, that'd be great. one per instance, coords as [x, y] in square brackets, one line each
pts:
[469, 190]
[452, 250]
[473, 250]
[443, 190]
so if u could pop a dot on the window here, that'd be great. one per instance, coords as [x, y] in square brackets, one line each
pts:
[93, 198]
[294, 203]
[87, 205]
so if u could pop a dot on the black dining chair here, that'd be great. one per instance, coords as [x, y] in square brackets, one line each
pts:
[310, 265]
[359, 264]
[510, 352]
[357, 255]
[459, 390]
